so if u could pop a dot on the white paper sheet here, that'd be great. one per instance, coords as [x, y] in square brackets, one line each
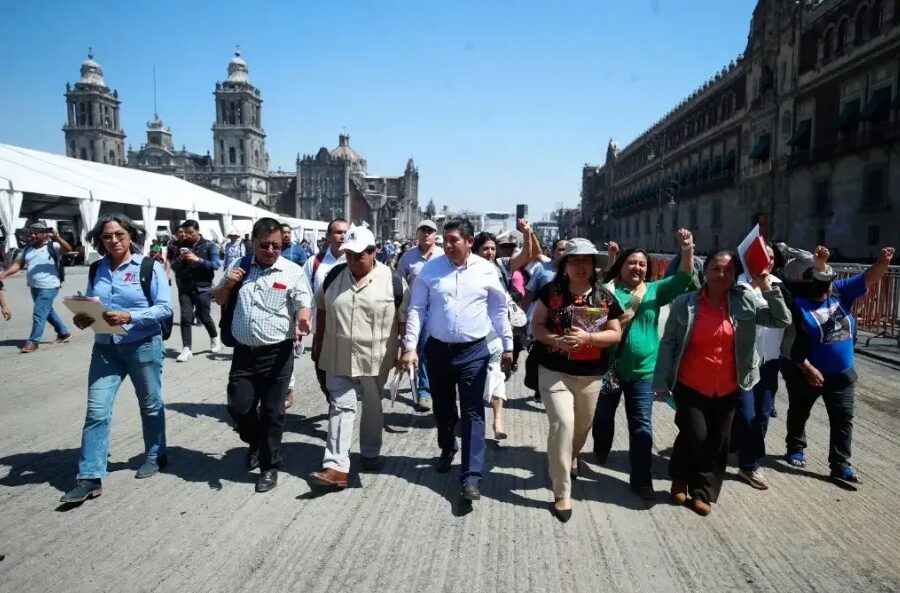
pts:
[92, 307]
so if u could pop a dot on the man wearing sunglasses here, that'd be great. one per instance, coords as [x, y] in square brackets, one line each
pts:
[272, 312]
[41, 260]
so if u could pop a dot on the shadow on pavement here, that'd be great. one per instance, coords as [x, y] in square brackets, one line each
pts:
[56, 467]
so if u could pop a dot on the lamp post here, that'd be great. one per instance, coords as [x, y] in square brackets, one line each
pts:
[655, 145]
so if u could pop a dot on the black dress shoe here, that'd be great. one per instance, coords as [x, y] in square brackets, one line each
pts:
[562, 515]
[373, 464]
[444, 463]
[253, 458]
[645, 492]
[267, 480]
[83, 490]
[471, 492]
[152, 466]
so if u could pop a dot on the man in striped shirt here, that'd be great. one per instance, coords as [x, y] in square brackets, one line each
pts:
[271, 313]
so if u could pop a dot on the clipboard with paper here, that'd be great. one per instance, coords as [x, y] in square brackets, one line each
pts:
[413, 384]
[93, 308]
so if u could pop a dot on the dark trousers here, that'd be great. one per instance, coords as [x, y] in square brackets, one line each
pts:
[700, 453]
[532, 362]
[257, 384]
[188, 300]
[751, 422]
[518, 343]
[638, 412]
[462, 367]
[839, 395]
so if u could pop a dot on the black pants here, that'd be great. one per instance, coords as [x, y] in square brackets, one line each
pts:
[188, 300]
[519, 339]
[532, 362]
[700, 453]
[257, 384]
[839, 395]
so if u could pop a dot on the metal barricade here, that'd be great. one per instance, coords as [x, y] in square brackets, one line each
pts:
[879, 310]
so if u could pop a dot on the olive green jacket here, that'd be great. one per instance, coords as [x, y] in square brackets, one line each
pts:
[746, 313]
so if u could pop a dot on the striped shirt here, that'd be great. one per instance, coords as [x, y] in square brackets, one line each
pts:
[268, 302]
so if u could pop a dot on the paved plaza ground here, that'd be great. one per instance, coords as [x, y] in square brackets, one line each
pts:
[199, 526]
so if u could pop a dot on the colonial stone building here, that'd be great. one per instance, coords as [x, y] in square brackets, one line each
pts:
[328, 185]
[798, 134]
[332, 183]
[92, 127]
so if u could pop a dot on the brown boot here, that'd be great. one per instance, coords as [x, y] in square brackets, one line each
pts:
[701, 507]
[679, 492]
[329, 478]
[28, 347]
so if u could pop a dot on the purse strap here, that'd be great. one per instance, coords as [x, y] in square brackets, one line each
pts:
[636, 297]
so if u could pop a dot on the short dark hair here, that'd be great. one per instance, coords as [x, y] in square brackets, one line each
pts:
[265, 226]
[190, 224]
[557, 242]
[285, 225]
[135, 231]
[723, 252]
[334, 220]
[465, 228]
[482, 238]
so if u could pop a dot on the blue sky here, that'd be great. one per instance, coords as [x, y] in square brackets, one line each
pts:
[498, 102]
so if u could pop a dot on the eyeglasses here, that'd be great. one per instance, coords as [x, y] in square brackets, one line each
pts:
[270, 246]
[118, 236]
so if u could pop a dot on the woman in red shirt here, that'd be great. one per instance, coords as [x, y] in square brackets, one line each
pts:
[706, 357]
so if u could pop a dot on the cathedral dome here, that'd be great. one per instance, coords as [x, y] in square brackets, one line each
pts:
[343, 151]
[91, 73]
[237, 69]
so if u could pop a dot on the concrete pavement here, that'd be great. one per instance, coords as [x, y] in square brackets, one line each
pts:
[199, 526]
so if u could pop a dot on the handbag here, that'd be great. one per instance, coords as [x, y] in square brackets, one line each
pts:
[609, 382]
[517, 317]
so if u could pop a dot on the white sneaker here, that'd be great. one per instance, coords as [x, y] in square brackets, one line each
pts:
[754, 478]
[185, 355]
[216, 346]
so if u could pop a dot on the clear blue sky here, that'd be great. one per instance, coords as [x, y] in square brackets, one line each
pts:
[497, 102]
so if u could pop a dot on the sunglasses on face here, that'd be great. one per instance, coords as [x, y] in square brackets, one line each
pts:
[118, 236]
[270, 246]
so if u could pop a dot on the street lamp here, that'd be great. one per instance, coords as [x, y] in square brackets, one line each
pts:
[655, 146]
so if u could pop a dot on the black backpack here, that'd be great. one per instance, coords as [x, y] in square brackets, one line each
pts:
[396, 280]
[146, 275]
[228, 310]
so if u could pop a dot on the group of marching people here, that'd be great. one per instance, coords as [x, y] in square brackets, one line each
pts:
[456, 317]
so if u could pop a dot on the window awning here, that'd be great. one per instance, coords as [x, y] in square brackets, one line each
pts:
[802, 135]
[849, 117]
[879, 105]
[762, 148]
[730, 160]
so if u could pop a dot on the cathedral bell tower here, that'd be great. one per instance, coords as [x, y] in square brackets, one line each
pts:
[92, 129]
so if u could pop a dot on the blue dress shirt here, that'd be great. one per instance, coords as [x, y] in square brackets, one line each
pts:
[458, 304]
[120, 290]
[295, 253]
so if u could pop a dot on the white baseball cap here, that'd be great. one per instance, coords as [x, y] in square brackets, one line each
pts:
[358, 239]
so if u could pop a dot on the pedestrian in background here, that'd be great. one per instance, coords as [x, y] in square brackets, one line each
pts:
[135, 292]
[234, 248]
[41, 259]
[706, 356]
[195, 267]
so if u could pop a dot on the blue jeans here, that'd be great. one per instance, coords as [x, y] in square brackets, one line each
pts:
[142, 362]
[751, 422]
[424, 386]
[638, 411]
[463, 368]
[44, 312]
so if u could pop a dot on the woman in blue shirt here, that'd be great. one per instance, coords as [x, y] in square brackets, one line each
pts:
[116, 281]
[822, 358]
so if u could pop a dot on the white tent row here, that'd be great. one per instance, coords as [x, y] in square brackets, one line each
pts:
[23, 170]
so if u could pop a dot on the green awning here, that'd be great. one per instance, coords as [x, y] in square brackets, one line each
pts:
[802, 135]
[730, 160]
[849, 117]
[878, 107]
[762, 148]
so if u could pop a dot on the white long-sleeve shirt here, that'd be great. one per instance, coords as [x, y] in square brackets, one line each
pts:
[458, 304]
[768, 339]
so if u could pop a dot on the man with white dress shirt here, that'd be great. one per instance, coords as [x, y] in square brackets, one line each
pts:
[317, 267]
[409, 267]
[458, 299]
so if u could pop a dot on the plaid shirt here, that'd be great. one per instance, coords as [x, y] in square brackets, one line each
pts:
[268, 302]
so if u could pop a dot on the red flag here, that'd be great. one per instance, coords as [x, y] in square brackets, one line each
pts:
[753, 253]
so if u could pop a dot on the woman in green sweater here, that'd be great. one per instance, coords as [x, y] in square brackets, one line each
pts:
[636, 355]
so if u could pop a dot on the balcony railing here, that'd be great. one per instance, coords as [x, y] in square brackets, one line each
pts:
[874, 135]
[757, 169]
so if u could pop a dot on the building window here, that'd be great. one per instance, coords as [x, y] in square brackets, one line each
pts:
[874, 189]
[820, 236]
[877, 18]
[873, 235]
[821, 202]
[859, 34]
[717, 211]
[231, 155]
[84, 154]
[72, 149]
[647, 224]
[256, 158]
[841, 40]
[828, 45]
